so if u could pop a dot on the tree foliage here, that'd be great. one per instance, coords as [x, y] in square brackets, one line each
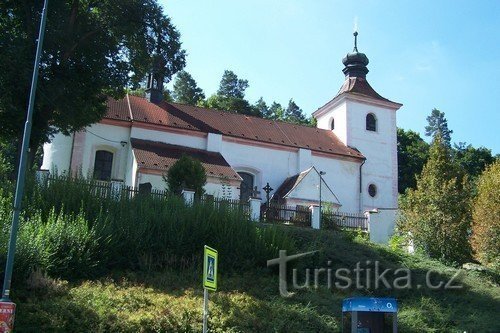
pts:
[437, 214]
[186, 90]
[231, 86]
[294, 114]
[186, 173]
[413, 152]
[486, 218]
[473, 160]
[231, 96]
[437, 124]
[92, 49]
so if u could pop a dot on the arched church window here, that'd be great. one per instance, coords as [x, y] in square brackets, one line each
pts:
[371, 122]
[332, 124]
[372, 190]
[103, 164]
[246, 186]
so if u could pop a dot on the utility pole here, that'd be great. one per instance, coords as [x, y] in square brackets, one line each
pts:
[21, 176]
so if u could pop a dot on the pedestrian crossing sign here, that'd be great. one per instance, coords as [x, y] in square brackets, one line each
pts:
[210, 269]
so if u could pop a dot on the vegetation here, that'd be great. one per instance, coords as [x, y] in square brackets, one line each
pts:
[109, 44]
[186, 173]
[437, 215]
[186, 91]
[438, 125]
[413, 152]
[486, 218]
[171, 300]
[134, 265]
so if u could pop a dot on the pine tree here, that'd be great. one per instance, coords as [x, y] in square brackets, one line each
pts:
[276, 111]
[437, 124]
[186, 90]
[294, 114]
[232, 86]
[437, 214]
[262, 109]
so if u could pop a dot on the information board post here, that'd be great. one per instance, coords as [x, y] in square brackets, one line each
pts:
[210, 260]
[205, 310]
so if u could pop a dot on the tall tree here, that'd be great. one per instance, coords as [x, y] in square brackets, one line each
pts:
[186, 90]
[473, 160]
[437, 124]
[92, 49]
[413, 152]
[231, 86]
[486, 218]
[437, 214]
[231, 96]
[294, 113]
[262, 108]
[276, 111]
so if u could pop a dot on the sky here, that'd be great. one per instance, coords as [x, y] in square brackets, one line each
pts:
[423, 54]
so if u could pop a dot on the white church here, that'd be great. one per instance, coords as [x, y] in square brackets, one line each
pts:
[352, 151]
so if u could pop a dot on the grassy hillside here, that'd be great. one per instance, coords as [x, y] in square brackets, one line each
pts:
[249, 301]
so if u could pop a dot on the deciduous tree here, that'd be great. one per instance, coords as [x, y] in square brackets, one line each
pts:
[486, 218]
[92, 49]
[473, 160]
[437, 214]
[413, 152]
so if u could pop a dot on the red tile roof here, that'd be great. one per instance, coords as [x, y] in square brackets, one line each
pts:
[229, 124]
[360, 86]
[161, 156]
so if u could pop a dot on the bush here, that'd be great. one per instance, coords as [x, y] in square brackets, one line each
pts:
[67, 230]
[486, 218]
[186, 173]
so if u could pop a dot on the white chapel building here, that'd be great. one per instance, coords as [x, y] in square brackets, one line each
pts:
[353, 147]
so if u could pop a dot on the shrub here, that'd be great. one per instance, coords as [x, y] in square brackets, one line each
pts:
[486, 218]
[186, 173]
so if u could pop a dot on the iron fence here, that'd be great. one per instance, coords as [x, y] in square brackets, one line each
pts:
[336, 220]
[288, 215]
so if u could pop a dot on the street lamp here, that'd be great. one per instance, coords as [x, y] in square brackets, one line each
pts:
[321, 174]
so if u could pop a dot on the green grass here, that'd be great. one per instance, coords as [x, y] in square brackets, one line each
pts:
[249, 301]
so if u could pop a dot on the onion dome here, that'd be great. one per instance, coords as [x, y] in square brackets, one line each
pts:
[355, 62]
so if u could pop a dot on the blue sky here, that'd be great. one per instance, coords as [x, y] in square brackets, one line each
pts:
[424, 54]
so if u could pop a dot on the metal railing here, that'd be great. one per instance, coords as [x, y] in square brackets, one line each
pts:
[288, 215]
[336, 220]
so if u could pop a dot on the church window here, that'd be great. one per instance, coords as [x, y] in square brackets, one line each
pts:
[371, 122]
[246, 186]
[103, 164]
[332, 125]
[372, 190]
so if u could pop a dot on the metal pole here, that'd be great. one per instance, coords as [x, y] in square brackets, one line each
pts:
[205, 310]
[22, 163]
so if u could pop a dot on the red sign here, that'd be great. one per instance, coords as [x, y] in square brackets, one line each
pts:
[7, 312]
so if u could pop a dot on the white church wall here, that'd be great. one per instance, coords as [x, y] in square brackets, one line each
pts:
[338, 112]
[156, 181]
[342, 176]
[106, 137]
[271, 165]
[308, 190]
[57, 153]
[380, 149]
[193, 141]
